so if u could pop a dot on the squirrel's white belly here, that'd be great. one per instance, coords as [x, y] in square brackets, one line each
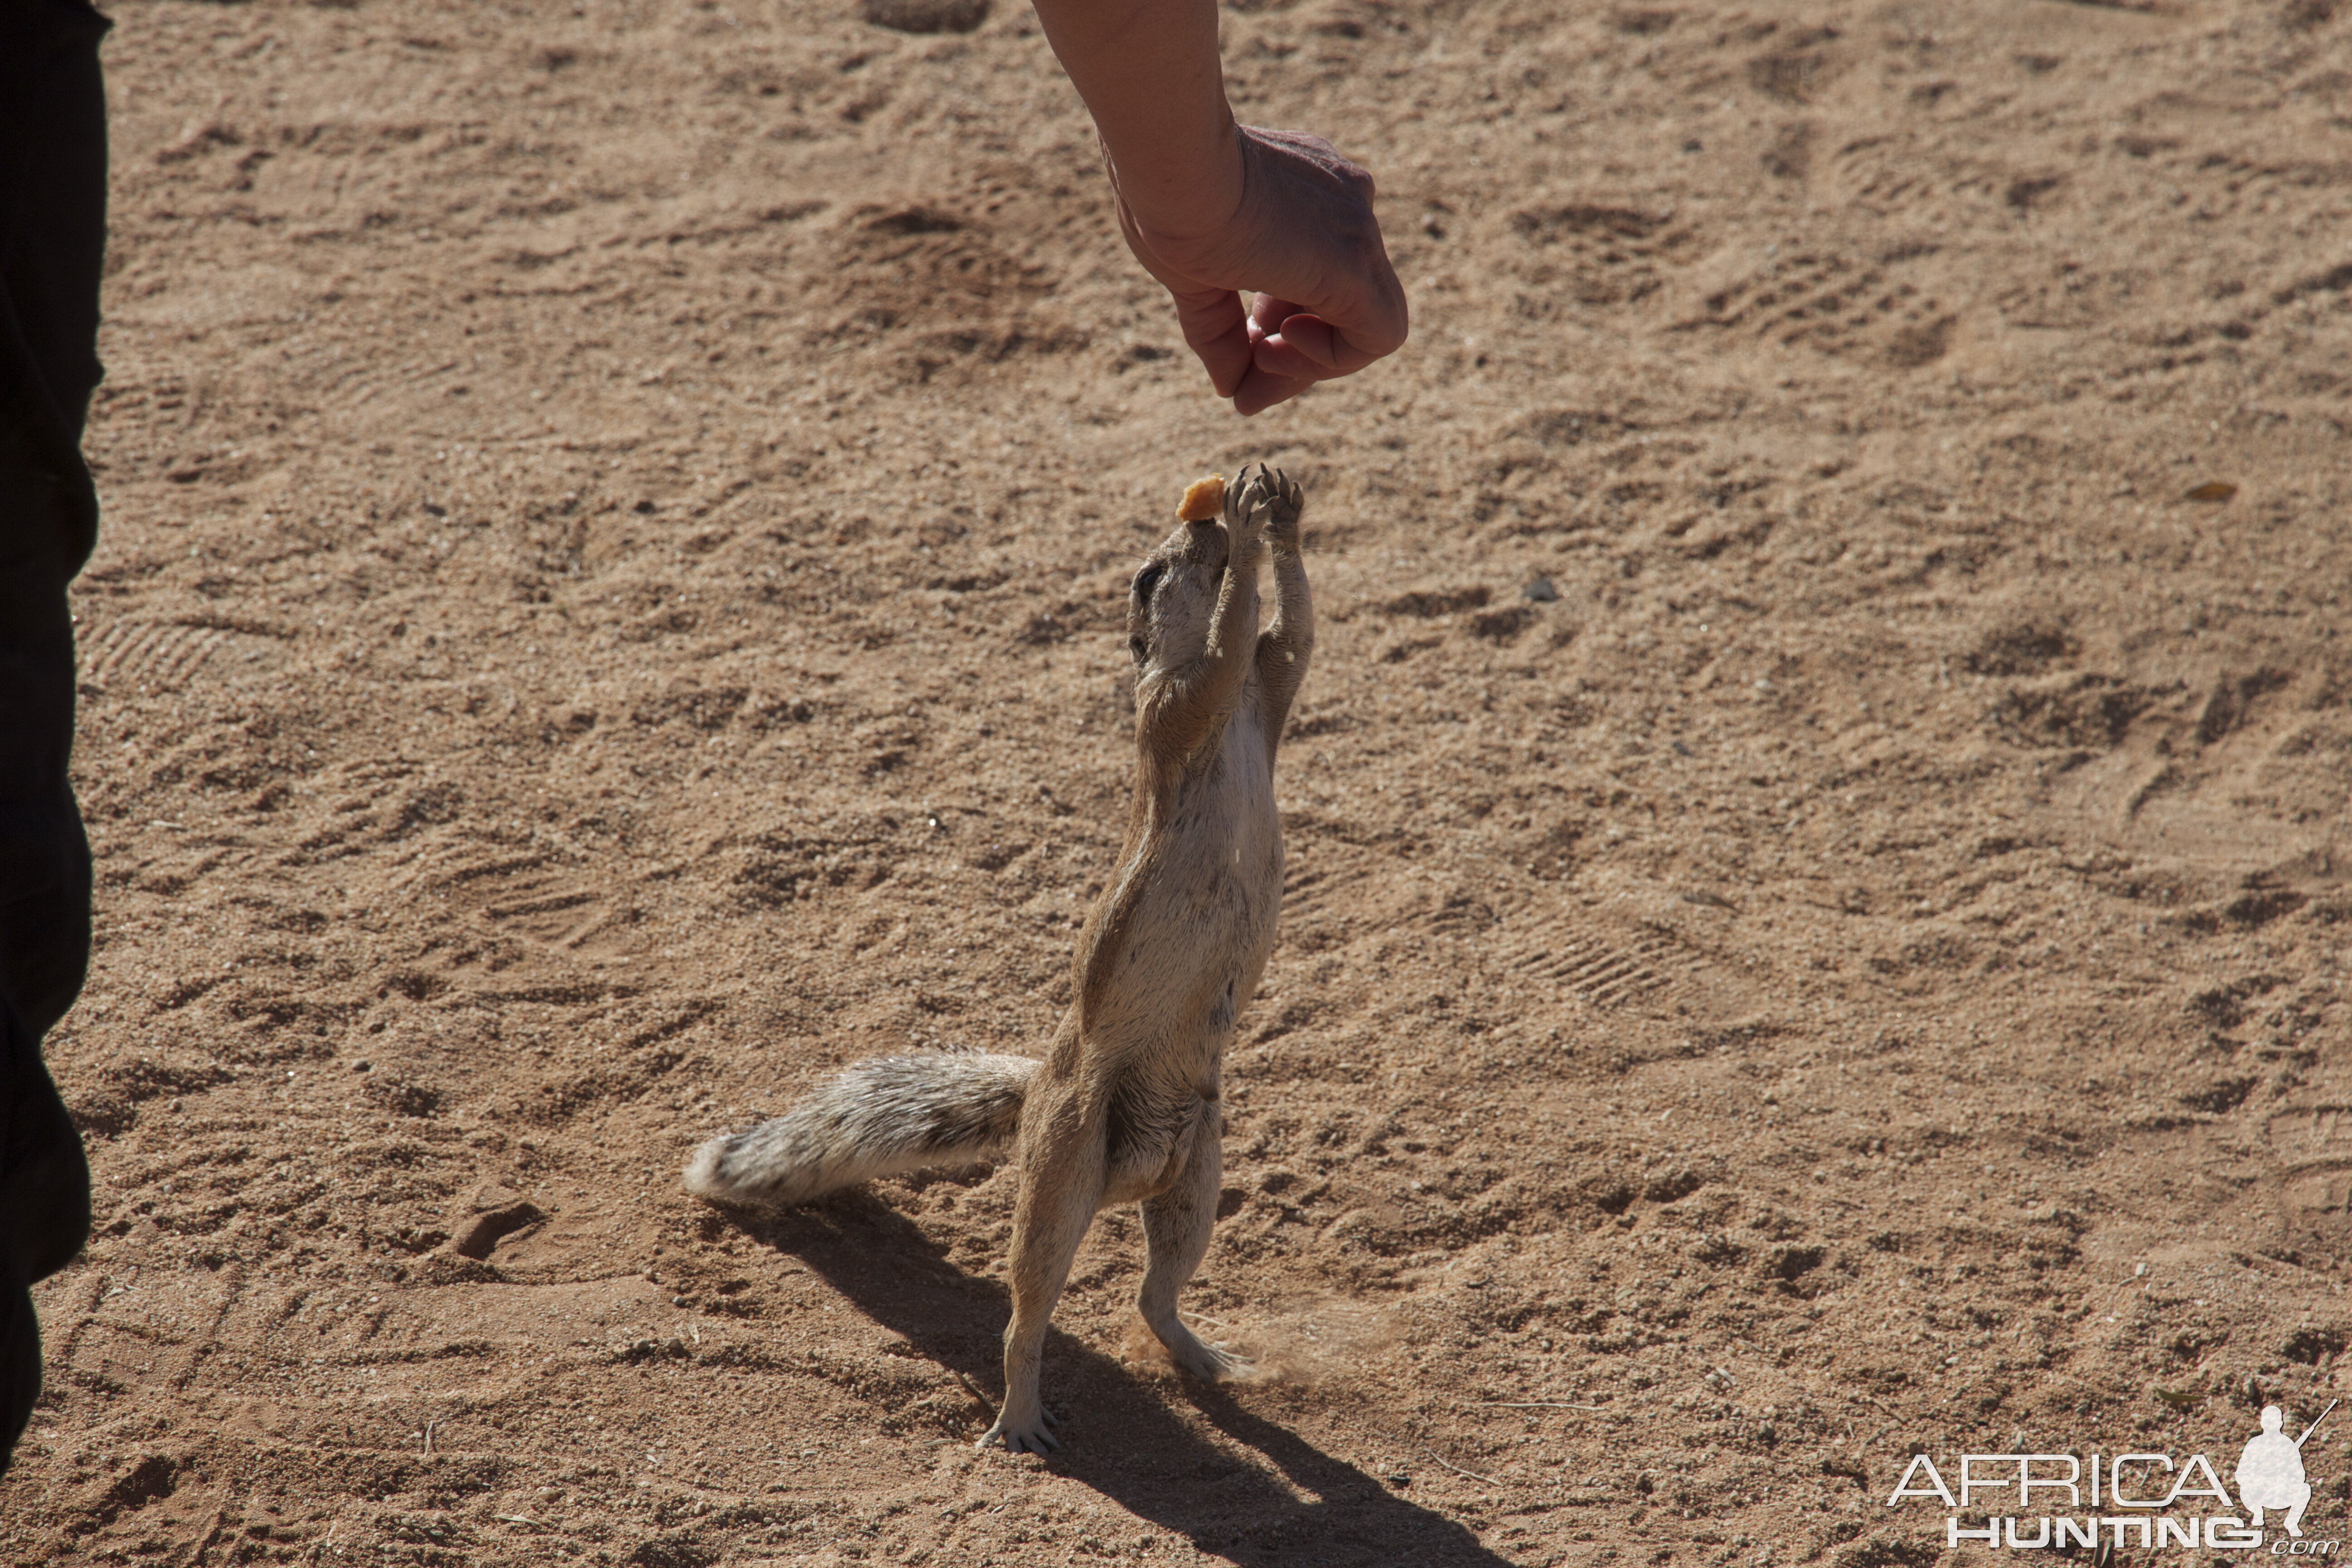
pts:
[1197, 939]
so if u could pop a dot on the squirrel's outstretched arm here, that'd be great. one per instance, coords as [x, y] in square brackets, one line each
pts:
[1184, 706]
[1288, 642]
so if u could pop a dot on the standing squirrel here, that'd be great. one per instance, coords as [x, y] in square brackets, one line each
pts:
[1124, 1108]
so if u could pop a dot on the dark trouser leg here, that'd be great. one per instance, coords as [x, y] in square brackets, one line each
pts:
[52, 236]
[44, 926]
[45, 1193]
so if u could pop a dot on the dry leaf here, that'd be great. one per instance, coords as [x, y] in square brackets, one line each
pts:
[2213, 489]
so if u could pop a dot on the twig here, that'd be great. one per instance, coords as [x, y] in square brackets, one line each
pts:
[1536, 1404]
[518, 1519]
[1882, 1409]
[1204, 1317]
[428, 1438]
[973, 1389]
[1460, 1471]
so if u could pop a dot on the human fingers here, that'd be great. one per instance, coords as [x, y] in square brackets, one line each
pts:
[1210, 318]
[1259, 390]
[1307, 243]
[1305, 345]
[1309, 348]
[1320, 237]
[1357, 314]
[1217, 332]
[1267, 312]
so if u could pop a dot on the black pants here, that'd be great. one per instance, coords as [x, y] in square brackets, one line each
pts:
[52, 241]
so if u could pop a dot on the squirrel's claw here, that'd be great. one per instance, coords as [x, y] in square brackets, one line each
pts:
[1250, 502]
[1215, 1363]
[1261, 502]
[1014, 1440]
[1284, 506]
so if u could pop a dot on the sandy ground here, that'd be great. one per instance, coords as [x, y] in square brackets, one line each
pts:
[1817, 915]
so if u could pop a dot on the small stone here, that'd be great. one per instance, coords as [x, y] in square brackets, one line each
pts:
[925, 15]
[1540, 591]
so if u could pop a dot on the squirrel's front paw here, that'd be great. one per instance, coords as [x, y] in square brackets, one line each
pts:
[1263, 502]
[1249, 502]
[1285, 504]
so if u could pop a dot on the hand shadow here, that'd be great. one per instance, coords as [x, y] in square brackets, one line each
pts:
[1120, 1437]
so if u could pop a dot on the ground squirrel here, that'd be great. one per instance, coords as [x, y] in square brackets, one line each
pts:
[1124, 1108]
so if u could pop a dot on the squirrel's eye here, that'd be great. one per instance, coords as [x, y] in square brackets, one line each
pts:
[1147, 580]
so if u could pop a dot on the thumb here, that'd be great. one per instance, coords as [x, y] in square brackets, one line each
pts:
[1316, 339]
[1309, 348]
[1306, 345]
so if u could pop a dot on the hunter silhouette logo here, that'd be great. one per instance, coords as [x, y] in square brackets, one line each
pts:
[2117, 1502]
[2270, 1472]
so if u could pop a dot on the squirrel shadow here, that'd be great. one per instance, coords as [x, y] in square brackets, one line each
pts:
[1120, 1435]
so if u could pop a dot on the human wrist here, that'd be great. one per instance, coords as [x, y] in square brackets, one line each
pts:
[1186, 191]
[1150, 75]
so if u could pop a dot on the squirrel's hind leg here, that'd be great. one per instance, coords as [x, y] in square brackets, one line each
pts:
[1062, 1169]
[1177, 1225]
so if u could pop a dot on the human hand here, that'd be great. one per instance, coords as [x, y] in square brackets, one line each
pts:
[1304, 238]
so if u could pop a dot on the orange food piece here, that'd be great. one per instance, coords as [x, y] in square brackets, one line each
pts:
[1203, 498]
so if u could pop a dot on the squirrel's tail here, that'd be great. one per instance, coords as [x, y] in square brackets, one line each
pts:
[879, 1117]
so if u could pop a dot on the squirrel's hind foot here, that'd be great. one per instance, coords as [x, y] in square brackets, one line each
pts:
[1209, 1362]
[1030, 1437]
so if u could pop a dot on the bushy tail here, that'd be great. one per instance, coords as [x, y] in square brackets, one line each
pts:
[878, 1119]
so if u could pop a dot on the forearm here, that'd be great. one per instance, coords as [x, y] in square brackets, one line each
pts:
[1287, 644]
[1191, 700]
[1149, 73]
[1294, 611]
